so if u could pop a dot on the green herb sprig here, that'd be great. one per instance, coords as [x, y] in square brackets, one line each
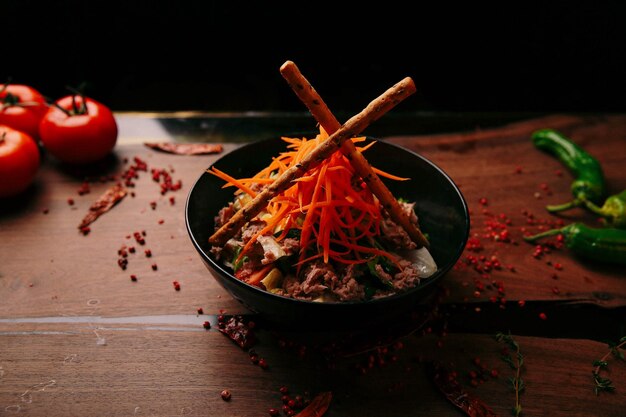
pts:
[602, 383]
[516, 362]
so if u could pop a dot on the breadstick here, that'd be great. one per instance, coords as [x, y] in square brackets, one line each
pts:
[378, 107]
[314, 102]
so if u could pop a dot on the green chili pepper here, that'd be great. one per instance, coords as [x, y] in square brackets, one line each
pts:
[589, 184]
[613, 210]
[600, 244]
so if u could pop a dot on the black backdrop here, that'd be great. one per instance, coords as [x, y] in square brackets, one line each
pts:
[225, 56]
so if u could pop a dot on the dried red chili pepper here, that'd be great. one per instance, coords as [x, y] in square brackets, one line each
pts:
[186, 148]
[456, 394]
[318, 405]
[103, 204]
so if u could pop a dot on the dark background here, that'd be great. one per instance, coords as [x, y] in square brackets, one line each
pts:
[225, 56]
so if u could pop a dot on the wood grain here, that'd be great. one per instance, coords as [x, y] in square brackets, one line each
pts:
[47, 268]
[60, 369]
[78, 337]
[484, 164]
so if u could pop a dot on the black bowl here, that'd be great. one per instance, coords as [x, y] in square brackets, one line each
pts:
[440, 206]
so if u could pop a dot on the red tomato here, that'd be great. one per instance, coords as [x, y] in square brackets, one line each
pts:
[19, 161]
[83, 132]
[22, 107]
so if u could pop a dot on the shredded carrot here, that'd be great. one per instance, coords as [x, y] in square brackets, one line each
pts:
[257, 276]
[237, 183]
[381, 173]
[330, 205]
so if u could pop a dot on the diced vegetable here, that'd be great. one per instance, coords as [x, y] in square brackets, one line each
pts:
[270, 245]
[423, 261]
[273, 280]
[258, 275]
[384, 264]
[241, 200]
[237, 261]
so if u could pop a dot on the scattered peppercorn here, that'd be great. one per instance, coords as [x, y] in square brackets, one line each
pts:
[176, 285]
[133, 277]
[226, 395]
[206, 325]
[84, 188]
[123, 263]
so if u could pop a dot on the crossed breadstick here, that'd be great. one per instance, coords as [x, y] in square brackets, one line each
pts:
[338, 137]
[320, 111]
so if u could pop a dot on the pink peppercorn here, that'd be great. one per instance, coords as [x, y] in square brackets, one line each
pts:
[226, 395]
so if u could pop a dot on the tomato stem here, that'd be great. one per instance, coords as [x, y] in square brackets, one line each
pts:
[79, 92]
[67, 113]
[74, 106]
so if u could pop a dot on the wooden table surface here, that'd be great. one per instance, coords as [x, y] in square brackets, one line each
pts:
[78, 337]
